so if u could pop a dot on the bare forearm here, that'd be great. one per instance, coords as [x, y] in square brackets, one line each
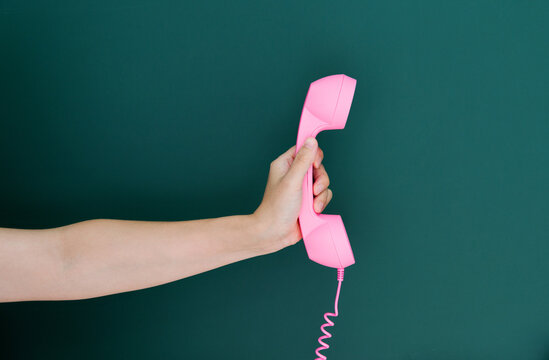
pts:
[100, 257]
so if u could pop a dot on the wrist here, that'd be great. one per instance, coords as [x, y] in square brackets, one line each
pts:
[268, 235]
[258, 234]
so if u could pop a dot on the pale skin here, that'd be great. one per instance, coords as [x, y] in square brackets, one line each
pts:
[101, 257]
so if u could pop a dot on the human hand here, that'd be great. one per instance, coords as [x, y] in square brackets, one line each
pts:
[278, 212]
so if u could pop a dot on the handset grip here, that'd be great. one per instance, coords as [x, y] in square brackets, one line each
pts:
[326, 107]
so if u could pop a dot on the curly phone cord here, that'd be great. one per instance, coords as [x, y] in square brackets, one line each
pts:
[329, 322]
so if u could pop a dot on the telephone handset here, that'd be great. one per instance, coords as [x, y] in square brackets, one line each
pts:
[326, 107]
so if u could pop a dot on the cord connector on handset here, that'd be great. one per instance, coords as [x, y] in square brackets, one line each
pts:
[340, 274]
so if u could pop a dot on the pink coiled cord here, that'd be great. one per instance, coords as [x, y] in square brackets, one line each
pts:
[329, 322]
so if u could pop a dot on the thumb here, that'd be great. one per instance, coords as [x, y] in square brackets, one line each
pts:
[302, 162]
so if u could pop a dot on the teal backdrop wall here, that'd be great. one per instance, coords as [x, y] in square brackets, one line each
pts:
[173, 110]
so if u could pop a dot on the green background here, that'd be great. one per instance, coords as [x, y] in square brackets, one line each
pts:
[173, 110]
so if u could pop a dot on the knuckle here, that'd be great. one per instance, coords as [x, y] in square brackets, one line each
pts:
[301, 157]
[299, 161]
[273, 163]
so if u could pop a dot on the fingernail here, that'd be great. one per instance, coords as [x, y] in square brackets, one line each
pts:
[309, 143]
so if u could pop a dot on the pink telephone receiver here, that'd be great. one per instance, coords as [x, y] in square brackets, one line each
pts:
[326, 107]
